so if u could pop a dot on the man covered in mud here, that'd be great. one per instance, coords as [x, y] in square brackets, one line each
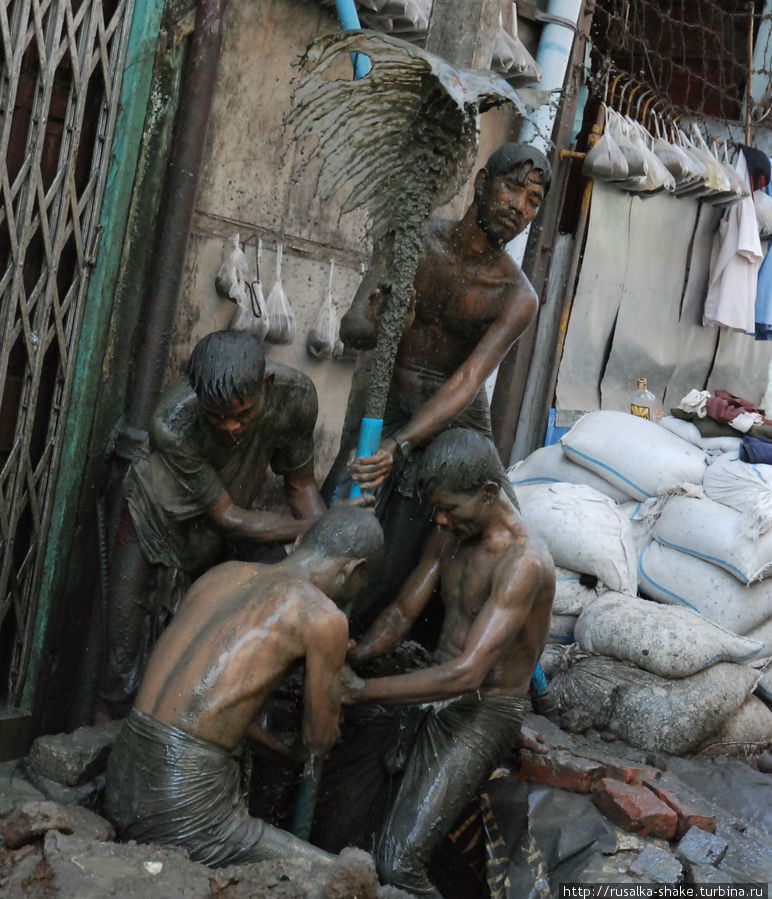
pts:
[191, 490]
[472, 302]
[172, 776]
[497, 583]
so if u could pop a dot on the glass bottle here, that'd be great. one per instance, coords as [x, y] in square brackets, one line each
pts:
[642, 401]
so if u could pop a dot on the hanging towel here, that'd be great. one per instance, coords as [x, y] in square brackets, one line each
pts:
[734, 266]
[764, 293]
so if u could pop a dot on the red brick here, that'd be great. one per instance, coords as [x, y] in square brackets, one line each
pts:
[620, 769]
[691, 810]
[561, 769]
[635, 809]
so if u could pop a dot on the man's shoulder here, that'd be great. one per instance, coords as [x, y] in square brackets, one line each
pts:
[176, 418]
[291, 397]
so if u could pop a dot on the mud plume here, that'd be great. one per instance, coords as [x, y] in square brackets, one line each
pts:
[402, 141]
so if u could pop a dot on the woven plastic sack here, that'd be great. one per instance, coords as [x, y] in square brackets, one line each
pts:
[549, 464]
[281, 319]
[665, 640]
[747, 732]
[574, 591]
[678, 578]
[744, 486]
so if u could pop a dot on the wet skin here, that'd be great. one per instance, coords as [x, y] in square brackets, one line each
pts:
[472, 302]
[231, 422]
[497, 583]
[238, 631]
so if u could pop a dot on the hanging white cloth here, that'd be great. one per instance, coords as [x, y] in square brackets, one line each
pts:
[734, 265]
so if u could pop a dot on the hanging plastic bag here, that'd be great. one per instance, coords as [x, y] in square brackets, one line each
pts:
[251, 315]
[605, 161]
[281, 319]
[231, 279]
[681, 166]
[636, 162]
[322, 338]
[657, 177]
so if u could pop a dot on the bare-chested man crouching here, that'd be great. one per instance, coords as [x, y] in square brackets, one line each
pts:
[172, 777]
[497, 582]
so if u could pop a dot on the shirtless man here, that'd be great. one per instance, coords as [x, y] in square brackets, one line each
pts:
[472, 302]
[192, 488]
[497, 582]
[172, 777]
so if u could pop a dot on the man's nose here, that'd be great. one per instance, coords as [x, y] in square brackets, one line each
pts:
[441, 517]
[230, 425]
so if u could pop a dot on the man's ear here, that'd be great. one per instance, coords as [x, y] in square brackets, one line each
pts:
[490, 491]
[351, 566]
[268, 378]
[479, 179]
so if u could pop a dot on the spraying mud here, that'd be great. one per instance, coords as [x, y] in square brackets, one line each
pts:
[402, 141]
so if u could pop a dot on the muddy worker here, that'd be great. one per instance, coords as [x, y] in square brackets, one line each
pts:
[172, 777]
[191, 489]
[472, 302]
[497, 583]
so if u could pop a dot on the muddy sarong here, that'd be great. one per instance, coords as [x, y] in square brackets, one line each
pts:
[457, 745]
[165, 786]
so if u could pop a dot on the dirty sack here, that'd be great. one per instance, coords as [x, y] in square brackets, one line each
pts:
[666, 640]
[647, 711]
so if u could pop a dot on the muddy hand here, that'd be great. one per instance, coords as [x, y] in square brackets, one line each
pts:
[371, 471]
[529, 739]
[350, 686]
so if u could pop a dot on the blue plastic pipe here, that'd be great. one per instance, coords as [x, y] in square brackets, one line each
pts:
[369, 441]
[349, 21]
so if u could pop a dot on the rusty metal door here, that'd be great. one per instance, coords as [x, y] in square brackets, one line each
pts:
[60, 71]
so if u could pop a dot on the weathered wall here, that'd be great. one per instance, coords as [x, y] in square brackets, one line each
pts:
[254, 183]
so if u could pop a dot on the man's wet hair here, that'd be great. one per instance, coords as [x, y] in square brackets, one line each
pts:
[347, 532]
[225, 364]
[460, 461]
[522, 159]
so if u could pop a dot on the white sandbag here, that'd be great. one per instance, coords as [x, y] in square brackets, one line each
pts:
[584, 531]
[747, 731]
[763, 633]
[687, 430]
[549, 464]
[676, 578]
[716, 533]
[744, 486]
[561, 629]
[551, 658]
[763, 687]
[574, 590]
[647, 711]
[639, 525]
[635, 455]
[666, 640]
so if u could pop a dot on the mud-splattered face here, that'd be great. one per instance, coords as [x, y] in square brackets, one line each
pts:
[231, 421]
[508, 203]
[463, 514]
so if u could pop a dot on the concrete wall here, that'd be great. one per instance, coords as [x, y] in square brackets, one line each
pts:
[254, 183]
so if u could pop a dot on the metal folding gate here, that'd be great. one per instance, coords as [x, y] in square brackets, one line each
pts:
[61, 68]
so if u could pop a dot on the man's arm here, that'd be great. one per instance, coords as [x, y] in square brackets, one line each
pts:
[500, 620]
[458, 391]
[302, 493]
[262, 527]
[393, 624]
[326, 642]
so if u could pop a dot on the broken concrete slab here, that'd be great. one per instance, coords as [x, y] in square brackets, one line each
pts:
[635, 808]
[74, 758]
[656, 865]
[32, 820]
[700, 848]
[15, 787]
[88, 794]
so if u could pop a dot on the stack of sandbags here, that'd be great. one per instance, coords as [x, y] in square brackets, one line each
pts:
[589, 539]
[713, 553]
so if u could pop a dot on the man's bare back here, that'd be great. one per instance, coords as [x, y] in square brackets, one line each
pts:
[239, 630]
